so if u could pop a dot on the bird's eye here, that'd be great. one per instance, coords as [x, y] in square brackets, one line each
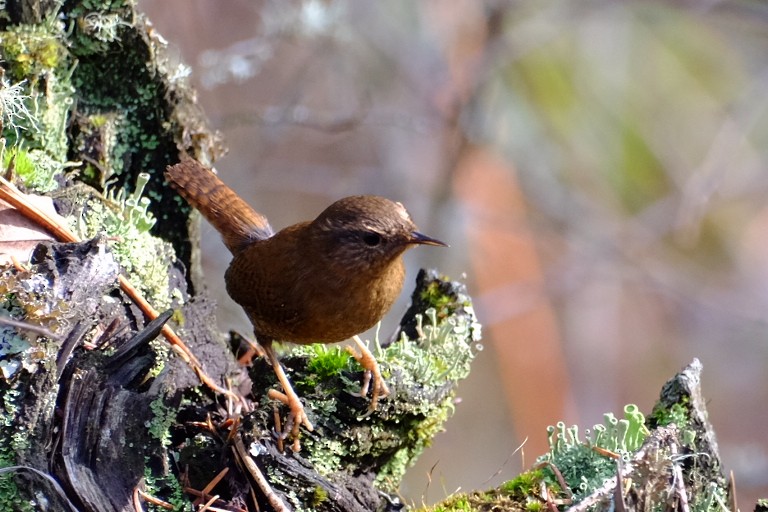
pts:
[372, 239]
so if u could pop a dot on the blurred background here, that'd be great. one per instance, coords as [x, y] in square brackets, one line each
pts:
[600, 170]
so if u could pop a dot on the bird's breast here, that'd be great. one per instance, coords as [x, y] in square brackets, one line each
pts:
[291, 296]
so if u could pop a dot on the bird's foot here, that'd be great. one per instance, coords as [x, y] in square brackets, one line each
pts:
[372, 373]
[296, 417]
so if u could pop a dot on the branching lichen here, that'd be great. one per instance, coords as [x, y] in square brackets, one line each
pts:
[14, 112]
[585, 468]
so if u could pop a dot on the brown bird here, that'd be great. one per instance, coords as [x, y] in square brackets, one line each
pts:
[320, 281]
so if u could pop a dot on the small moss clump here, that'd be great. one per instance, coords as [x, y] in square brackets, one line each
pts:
[325, 362]
[677, 414]
[319, 497]
[524, 484]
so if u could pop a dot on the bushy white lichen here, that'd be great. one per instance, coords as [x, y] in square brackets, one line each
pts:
[14, 112]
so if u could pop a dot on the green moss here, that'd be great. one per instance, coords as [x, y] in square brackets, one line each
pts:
[677, 414]
[32, 51]
[35, 57]
[525, 484]
[36, 168]
[491, 501]
[458, 503]
[534, 505]
[435, 298]
[325, 362]
[319, 497]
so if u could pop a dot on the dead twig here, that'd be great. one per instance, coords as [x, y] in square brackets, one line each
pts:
[18, 324]
[250, 466]
[211, 485]
[154, 501]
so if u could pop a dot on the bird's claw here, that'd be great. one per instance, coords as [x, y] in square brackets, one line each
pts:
[296, 417]
[372, 373]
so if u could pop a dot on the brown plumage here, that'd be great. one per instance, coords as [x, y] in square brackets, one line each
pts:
[314, 282]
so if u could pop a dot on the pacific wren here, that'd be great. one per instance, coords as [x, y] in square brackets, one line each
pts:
[320, 281]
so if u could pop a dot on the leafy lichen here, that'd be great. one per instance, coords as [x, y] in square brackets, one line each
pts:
[164, 486]
[164, 419]
[10, 444]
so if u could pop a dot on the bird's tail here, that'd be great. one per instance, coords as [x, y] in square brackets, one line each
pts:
[233, 218]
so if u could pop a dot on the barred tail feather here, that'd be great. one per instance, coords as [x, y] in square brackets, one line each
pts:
[233, 218]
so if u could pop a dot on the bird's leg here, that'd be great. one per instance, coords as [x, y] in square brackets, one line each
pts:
[253, 350]
[297, 417]
[372, 372]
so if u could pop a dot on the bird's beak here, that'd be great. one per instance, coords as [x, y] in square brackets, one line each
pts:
[418, 238]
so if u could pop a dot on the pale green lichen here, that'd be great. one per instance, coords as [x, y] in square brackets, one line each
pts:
[584, 468]
[22, 354]
[26, 296]
[441, 354]
[103, 26]
[99, 25]
[126, 221]
[12, 352]
[14, 112]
